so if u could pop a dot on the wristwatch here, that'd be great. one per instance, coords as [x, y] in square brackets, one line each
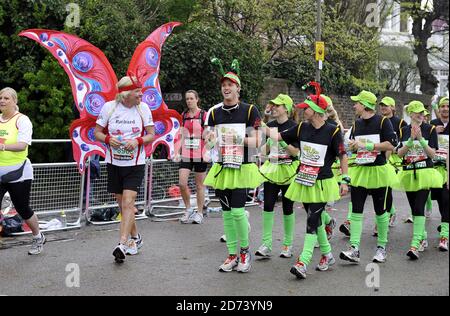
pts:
[346, 180]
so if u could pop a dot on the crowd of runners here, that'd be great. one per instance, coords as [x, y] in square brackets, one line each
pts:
[308, 158]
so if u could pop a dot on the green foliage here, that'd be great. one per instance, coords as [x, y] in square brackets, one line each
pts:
[186, 62]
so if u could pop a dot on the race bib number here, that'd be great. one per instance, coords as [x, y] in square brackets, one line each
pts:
[313, 154]
[442, 152]
[307, 175]
[192, 143]
[231, 143]
[122, 154]
[365, 157]
[279, 156]
[415, 153]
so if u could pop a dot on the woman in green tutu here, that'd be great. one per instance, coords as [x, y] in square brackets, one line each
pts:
[315, 184]
[372, 136]
[235, 126]
[418, 146]
[278, 172]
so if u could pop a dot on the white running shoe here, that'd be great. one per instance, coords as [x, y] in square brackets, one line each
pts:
[187, 216]
[351, 255]
[197, 218]
[443, 244]
[380, 255]
[326, 262]
[37, 246]
[230, 264]
[299, 270]
[286, 252]
[423, 245]
[245, 261]
[131, 248]
[263, 251]
[119, 253]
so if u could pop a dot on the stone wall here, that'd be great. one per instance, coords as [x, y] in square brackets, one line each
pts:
[342, 104]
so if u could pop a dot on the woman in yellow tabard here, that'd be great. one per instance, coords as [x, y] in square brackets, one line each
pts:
[16, 171]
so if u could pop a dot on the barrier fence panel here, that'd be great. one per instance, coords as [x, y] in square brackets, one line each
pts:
[101, 207]
[56, 196]
[166, 202]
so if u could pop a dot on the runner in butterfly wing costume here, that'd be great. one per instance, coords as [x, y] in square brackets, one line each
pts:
[93, 83]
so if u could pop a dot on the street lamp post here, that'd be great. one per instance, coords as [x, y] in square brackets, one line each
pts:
[319, 36]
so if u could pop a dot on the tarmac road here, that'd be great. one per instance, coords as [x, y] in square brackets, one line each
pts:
[180, 260]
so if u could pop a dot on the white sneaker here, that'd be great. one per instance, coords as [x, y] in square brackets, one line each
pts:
[223, 238]
[380, 255]
[196, 218]
[326, 262]
[409, 220]
[230, 264]
[443, 244]
[286, 252]
[37, 246]
[423, 245]
[245, 261]
[119, 253]
[392, 220]
[299, 270]
[351, 255]
[131, 248]
[263, 251]
[187, 217]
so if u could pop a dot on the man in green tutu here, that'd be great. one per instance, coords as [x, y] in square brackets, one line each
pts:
[372, 136]
[234, 130]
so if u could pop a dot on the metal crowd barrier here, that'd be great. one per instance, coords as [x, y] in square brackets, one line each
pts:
[96, 196]
[62, 197]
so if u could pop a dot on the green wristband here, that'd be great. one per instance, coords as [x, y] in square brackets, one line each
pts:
[410, 143]
[283, 144]
[423, 142]
[269, 142]
[435, 106]
[370, 146]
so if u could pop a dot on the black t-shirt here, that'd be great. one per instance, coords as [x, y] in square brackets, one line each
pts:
[243, 114]
[397, 124]
[327, 135]
[376, 125]
[438, 122]
[284, 127]
[428, 132]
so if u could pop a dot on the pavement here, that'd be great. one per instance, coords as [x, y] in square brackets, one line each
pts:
[180, 260]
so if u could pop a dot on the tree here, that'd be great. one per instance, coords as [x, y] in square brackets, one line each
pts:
[187, 62]
[423, 15]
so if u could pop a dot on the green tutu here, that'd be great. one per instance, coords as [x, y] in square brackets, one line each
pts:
[279, 174]
[425, 179]
[247, 177]
[323, 191]
[375, 177]
[443, 172]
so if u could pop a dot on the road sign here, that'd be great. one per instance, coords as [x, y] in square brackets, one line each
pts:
[320, 51]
